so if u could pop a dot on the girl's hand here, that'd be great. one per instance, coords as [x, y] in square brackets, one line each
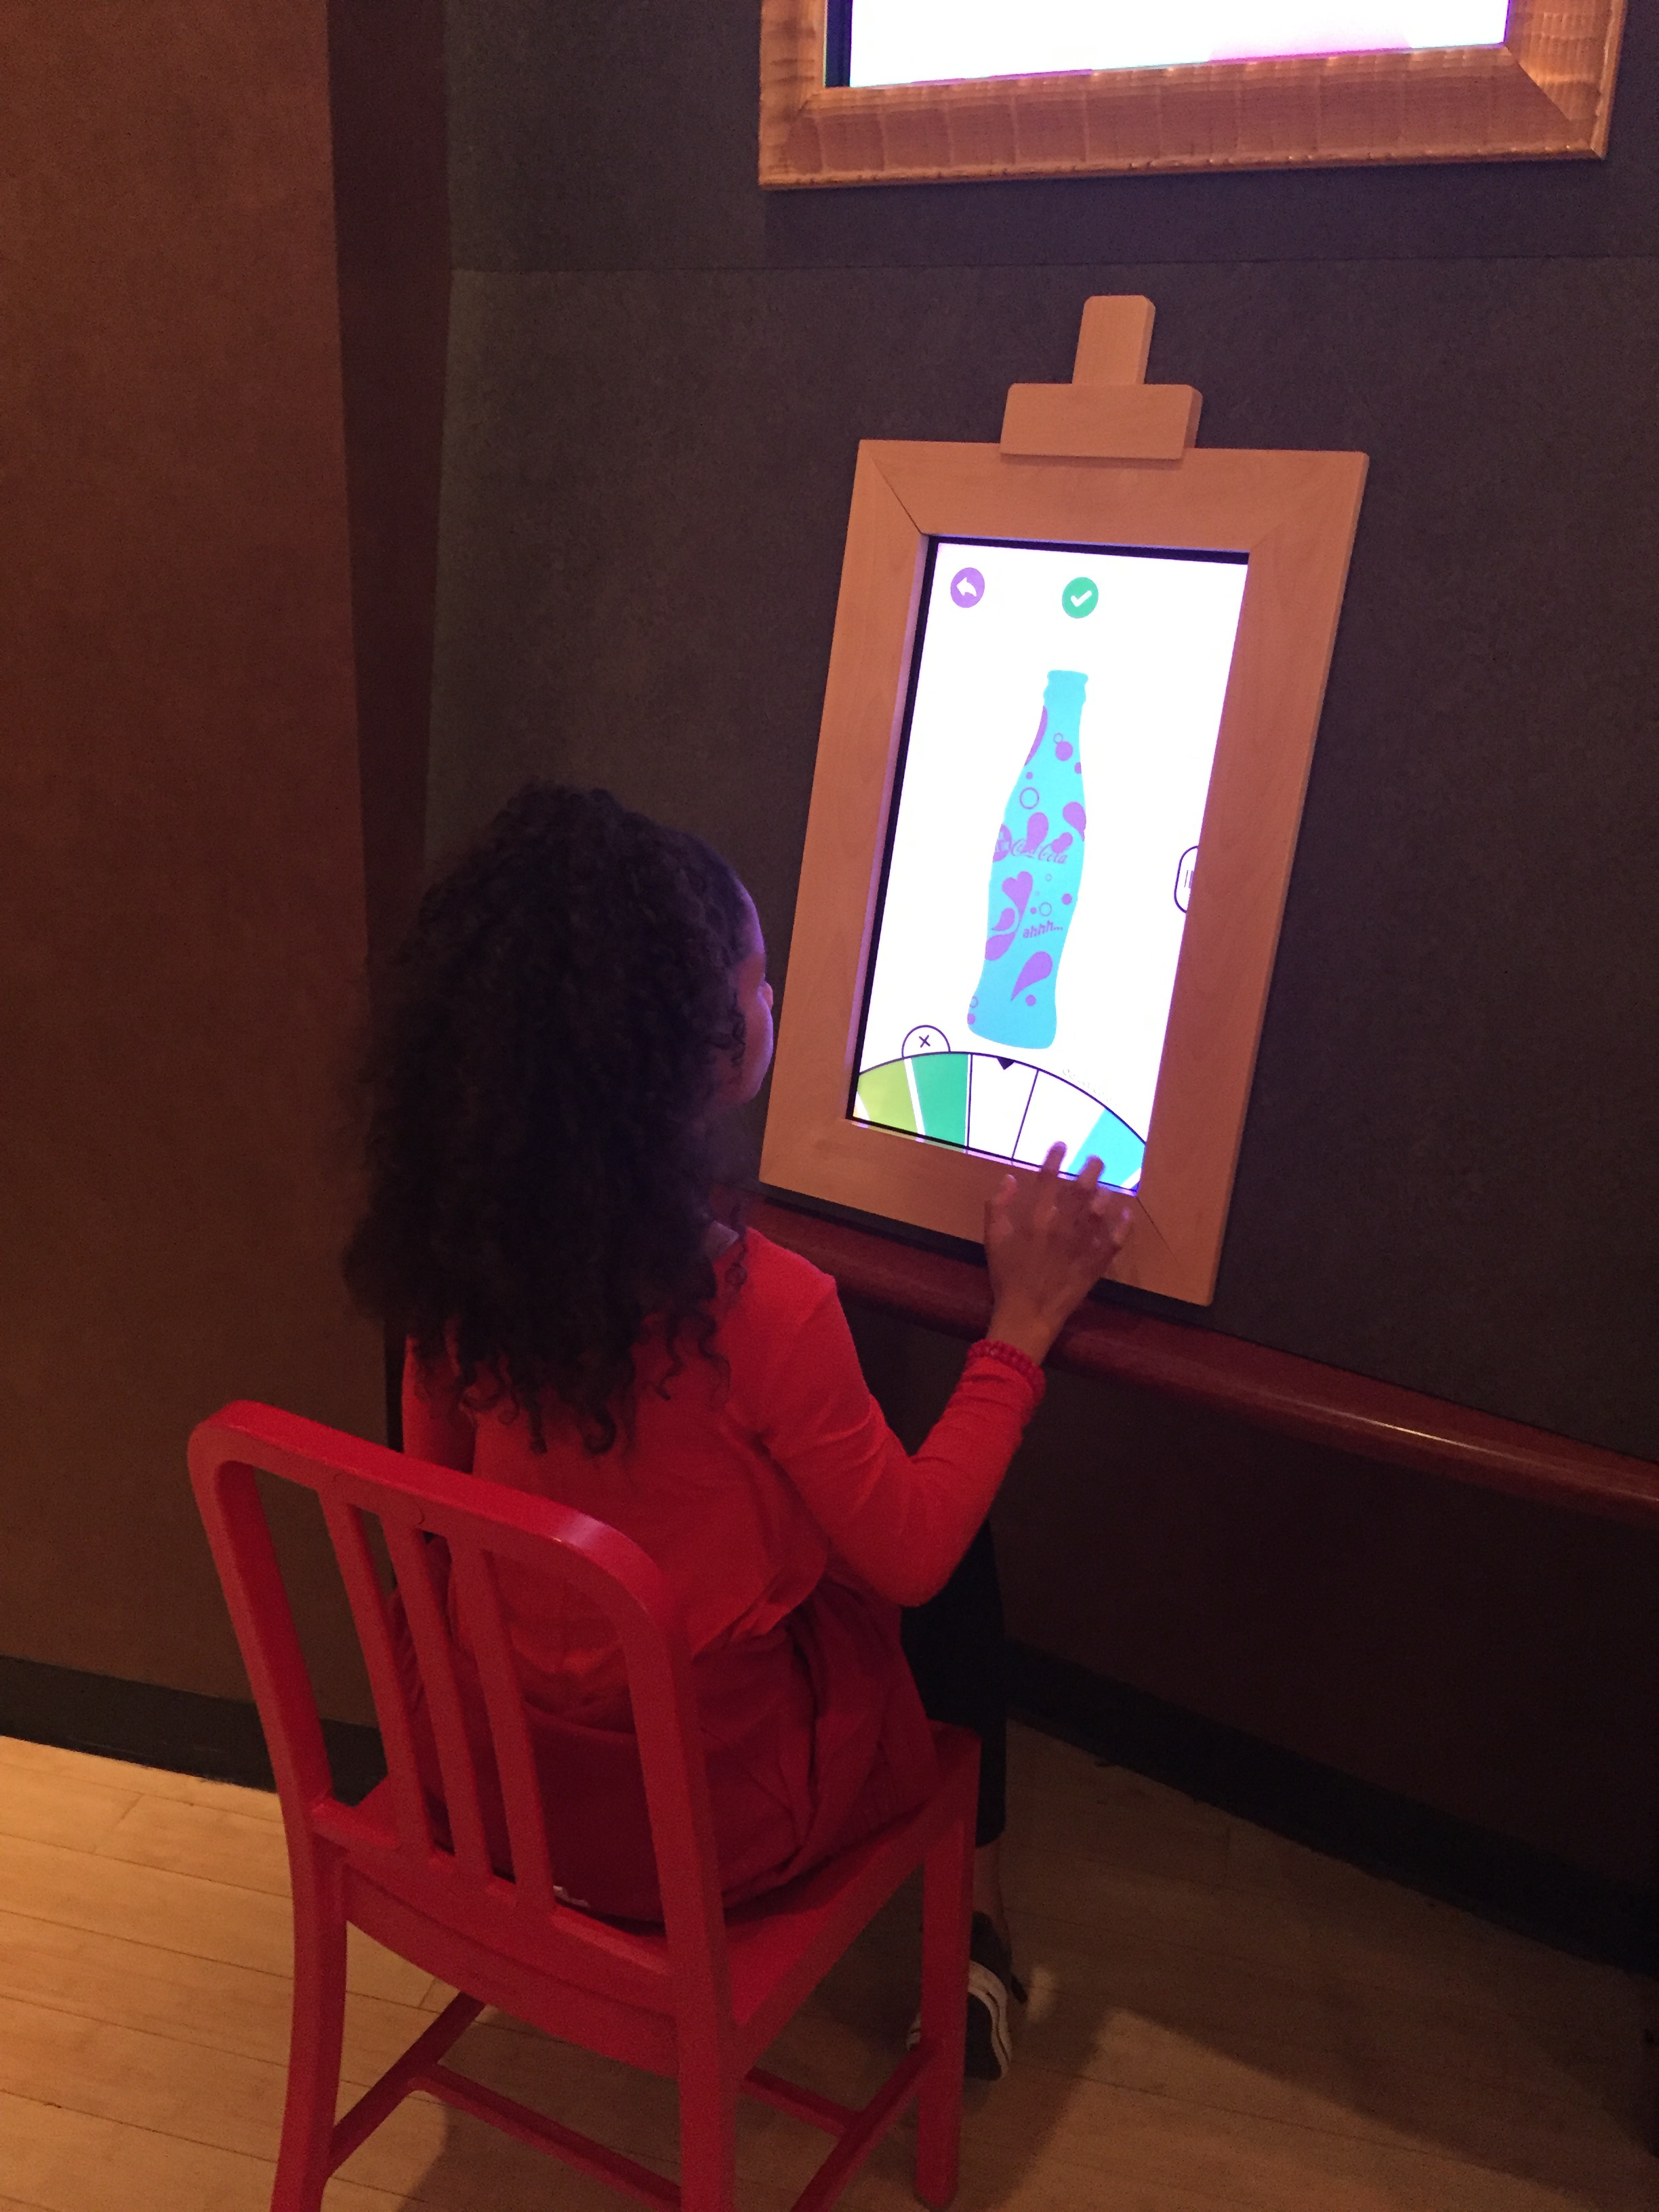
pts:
[1046, 1243]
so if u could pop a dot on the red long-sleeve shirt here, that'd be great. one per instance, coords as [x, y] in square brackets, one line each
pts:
[744, 1482]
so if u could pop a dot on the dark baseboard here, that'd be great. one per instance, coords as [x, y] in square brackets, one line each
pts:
[217, 1737]
[1511, 1883]
[1505, 1881]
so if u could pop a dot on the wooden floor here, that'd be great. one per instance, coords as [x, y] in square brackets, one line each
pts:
[1217, 2018]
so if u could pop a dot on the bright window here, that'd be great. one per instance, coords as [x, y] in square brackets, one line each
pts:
[924, 41]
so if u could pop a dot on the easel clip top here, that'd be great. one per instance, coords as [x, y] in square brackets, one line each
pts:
[1108, 412]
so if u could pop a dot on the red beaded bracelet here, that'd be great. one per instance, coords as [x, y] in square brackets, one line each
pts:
[1010, 1355]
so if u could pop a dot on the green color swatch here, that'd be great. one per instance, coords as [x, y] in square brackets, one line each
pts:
[884, 1094]
[941, 1081]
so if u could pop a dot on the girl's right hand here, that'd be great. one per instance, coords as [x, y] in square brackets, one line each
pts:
[1046, 1244]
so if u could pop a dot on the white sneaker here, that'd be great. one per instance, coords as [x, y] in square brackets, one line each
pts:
[989, 2050]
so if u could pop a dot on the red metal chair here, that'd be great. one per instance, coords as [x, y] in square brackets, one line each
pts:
[699, 2002]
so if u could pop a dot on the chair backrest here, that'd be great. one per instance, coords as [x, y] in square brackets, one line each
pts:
[481, 1524]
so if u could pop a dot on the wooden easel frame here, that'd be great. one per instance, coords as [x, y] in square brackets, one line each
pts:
[1105, 460]
[1546, 93]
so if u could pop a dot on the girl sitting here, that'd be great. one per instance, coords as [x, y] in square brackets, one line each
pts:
[580, 1000]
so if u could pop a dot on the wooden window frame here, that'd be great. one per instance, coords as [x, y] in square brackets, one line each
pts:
[1546, 93]
[1108, 460]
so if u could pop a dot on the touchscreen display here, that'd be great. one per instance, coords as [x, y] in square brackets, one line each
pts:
[1063, 726]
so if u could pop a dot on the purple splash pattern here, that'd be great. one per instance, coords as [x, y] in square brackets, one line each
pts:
[1018, 889]
[1036, 970]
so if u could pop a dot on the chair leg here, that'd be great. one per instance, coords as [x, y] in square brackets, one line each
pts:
[947, 1897]
[314, 2043]
[708, 2135]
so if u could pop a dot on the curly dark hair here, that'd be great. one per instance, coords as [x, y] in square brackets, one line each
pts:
[540, 1176]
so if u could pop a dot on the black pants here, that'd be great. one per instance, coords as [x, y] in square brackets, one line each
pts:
[955, 1647]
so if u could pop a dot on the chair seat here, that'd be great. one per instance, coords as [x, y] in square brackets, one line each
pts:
[783, 1944]
[567, 1974]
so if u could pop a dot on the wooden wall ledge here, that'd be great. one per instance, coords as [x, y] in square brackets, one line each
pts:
[1269, 1390]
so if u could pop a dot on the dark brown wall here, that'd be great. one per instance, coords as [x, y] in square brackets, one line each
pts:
[1494, 1658]
[181, 879]
[392, 225]
[658, 378]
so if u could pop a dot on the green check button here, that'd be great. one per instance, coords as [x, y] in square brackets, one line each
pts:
[1080, 597]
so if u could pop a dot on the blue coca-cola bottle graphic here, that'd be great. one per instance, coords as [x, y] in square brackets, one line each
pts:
[1036, 869]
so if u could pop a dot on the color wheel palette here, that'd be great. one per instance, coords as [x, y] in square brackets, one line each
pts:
[1007, 1108]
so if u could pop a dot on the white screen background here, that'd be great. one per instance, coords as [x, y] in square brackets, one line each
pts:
[1157, 650]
